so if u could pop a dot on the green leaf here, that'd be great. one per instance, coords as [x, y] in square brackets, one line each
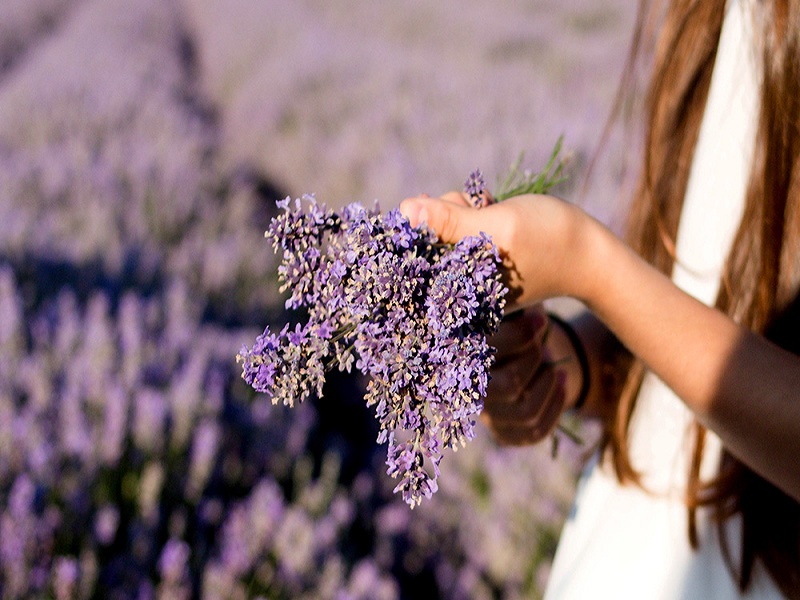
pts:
[518, 182]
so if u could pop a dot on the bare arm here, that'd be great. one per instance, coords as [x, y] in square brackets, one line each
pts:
[739, 385]
[608, 362]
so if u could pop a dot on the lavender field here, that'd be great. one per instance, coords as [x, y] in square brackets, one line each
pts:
[142, 148]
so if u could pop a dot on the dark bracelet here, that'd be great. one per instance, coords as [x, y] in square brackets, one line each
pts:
[580, 353]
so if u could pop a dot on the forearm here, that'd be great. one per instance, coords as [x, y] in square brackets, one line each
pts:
[737, 384]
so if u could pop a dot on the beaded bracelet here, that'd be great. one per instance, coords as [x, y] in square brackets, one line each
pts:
[580, 353]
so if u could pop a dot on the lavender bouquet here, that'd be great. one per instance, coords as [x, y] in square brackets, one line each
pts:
[411, 313]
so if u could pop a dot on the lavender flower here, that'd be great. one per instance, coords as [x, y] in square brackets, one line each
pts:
[131, 271]
[173, 562]
[409, 312]
[475, 188]
[66, 574]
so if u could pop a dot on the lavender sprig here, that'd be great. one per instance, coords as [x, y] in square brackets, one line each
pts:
[411, 313]
[407, 311]
[475, 189]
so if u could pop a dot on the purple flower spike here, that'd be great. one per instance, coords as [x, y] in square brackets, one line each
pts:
[408, 312]
[475, 188]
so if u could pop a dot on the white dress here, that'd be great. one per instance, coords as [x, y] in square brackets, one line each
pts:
[622, 542]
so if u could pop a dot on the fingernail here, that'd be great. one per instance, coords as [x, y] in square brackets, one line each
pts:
[422, 216]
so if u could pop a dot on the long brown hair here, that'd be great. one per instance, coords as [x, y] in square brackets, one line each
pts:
[761, 277]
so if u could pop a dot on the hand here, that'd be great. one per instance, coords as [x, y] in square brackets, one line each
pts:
[526, 395]
[543, 241]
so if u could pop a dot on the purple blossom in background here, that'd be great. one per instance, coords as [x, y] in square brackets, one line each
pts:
[134, 461]
[173, 567]
[86, 493]
[67, 574]
[414, 312]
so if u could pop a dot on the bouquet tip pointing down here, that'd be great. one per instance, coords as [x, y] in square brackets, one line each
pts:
[411, 313]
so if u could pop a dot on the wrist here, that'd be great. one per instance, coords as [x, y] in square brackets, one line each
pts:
[593, 247]
[577, 368]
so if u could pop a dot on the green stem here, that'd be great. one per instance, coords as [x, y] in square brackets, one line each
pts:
[346, 330]
[570, 433]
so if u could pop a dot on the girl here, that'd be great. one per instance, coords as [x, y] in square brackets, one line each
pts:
[695, 491]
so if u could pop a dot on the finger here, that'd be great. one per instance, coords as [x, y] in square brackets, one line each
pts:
[517, 332]
[532, 400]
[517, 435]
[457, 198]
[551, 414]
[510, 378]
[453, 197]
[525, 433]
[449, 220]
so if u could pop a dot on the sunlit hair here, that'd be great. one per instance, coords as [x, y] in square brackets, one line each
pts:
[761, 276]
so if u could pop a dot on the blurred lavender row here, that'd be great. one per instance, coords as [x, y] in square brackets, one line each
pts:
[109, 165]
[137, 145]
[363, 100]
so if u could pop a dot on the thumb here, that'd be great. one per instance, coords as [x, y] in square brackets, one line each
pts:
[449, 221]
